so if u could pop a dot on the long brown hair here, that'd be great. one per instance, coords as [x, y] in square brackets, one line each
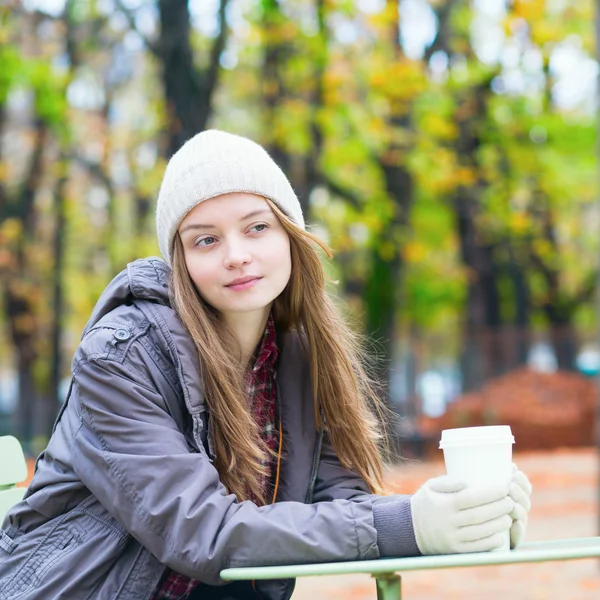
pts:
[347, 405]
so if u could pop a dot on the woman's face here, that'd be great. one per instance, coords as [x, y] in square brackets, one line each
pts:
[236, 252]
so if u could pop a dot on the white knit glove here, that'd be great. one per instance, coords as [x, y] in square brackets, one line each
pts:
[520, 491]
[449, 517]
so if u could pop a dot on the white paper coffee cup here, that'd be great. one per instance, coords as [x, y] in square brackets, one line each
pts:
[479, 456]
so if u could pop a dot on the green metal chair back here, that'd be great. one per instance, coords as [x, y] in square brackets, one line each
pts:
[13, 470]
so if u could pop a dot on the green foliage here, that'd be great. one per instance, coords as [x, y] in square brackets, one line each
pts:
[434, 281]
[49, 93]
[10, 74]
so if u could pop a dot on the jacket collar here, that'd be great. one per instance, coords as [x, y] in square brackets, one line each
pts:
[144, 279]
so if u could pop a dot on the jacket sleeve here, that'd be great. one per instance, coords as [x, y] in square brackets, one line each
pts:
[392, 514]
[334, 481]
[131, 455]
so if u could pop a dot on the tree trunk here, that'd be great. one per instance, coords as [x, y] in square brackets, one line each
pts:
[303, 171]
[482, 311]
[482, 355]
[386, 270]
[54, 400]
[186, 108]
[273, 93]
[557, 306]
[22, 426]
[3, 195]
[188, 91]
[381, 299]
[19, 303]
[382, 288]
[522, 298]
[312, 168]
[20, 316]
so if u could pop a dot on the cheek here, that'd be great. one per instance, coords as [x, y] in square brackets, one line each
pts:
[202, 274]
[283, 259]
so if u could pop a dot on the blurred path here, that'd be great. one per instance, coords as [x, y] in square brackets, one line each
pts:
[564, 505]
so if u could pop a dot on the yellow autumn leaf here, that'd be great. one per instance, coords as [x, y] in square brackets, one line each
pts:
[383, 19]
[440, 127]
[465, 176]
[544, 32]
[378, 79]
[387, 250]
[4, 171]
[372, 221]
[519, 222]
[12, 229]
[543, 248]
[530, 10]
[414, 252]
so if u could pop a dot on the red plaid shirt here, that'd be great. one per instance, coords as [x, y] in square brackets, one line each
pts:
[262, 396]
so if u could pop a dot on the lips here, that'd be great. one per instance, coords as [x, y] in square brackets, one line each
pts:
[242, 280]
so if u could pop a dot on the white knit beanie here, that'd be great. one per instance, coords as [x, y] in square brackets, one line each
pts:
[213, 163]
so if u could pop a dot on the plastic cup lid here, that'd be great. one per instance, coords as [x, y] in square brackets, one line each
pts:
[467, 436]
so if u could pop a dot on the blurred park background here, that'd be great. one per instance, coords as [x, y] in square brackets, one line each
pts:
[445, 149]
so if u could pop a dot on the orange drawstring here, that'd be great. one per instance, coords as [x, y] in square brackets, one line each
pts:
[276, 485]
[278, 462]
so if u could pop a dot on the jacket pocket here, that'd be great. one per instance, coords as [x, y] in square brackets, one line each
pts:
[58, 543]
[7, 544]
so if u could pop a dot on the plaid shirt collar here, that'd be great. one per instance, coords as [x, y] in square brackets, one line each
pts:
[268, 351]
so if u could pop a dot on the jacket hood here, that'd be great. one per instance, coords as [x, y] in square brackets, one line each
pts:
[145, 279]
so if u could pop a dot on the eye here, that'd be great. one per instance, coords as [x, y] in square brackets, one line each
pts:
[206, 241]
[259, 227]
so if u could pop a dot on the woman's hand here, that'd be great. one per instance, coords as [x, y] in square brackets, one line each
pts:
[449, 517]
[520, 491]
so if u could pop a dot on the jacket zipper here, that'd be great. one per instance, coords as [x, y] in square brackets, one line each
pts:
[308, 500]
[309, 493]
[287, 593]
[309, 497]
[315, 471]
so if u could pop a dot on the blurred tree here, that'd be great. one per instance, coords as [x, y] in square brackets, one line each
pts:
[382, 286]
[188, 88]
[277, 48]
[293, 70]
[536, 131]
[22, 232]
[499, 167]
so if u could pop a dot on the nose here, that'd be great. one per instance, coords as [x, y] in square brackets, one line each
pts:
[236, 254]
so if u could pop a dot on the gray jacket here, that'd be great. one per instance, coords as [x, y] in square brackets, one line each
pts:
[127, 486]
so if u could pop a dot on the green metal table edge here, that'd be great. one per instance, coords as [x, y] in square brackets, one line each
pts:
[551, 550]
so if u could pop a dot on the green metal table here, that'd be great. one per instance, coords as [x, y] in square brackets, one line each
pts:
[386, 570]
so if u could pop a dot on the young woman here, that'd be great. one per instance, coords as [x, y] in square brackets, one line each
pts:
[219, 416]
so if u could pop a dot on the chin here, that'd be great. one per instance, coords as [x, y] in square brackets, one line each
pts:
[245, 306]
